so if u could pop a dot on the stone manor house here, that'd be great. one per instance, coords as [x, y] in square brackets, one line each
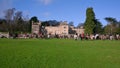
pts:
[62, 29]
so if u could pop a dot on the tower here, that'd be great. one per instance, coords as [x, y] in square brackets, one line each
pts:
[36, 27]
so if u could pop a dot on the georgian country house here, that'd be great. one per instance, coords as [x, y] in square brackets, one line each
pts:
[62, 29]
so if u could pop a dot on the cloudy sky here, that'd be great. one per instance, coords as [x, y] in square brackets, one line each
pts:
[64, 10]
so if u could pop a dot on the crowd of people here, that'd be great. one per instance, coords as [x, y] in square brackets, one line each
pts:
[70, 36]
[97, 37]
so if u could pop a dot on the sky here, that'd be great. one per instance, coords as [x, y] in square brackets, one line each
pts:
[63, 10]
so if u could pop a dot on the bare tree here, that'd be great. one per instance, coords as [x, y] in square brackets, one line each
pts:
[18, 15]
[9, 14]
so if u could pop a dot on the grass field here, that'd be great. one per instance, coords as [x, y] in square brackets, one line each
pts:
[59, 53]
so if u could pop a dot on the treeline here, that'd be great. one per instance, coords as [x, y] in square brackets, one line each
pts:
[94, 26]
[15, 22]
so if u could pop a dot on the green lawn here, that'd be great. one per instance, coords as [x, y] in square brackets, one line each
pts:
[59, 53]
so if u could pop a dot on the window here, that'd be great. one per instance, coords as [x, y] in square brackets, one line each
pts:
[64, 27]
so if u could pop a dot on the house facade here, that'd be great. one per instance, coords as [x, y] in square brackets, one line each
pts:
[78, 30]
[62, 29]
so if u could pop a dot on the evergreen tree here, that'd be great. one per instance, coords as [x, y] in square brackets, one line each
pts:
[90, 21]
[98, 27]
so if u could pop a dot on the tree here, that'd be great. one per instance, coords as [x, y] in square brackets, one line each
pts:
[98, 27]
[112, 25]
[71, 23]
[14, 22]
[18, 15]
[9, 14]
[118, 28]
[80, 25]
[3, 25]
[90, 21]
[18, 22]
[21, 25]
[34, 19]
[50, 23]
[53, 22]
[45, 23]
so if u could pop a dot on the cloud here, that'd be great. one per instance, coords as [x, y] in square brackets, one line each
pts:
[46, 2]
